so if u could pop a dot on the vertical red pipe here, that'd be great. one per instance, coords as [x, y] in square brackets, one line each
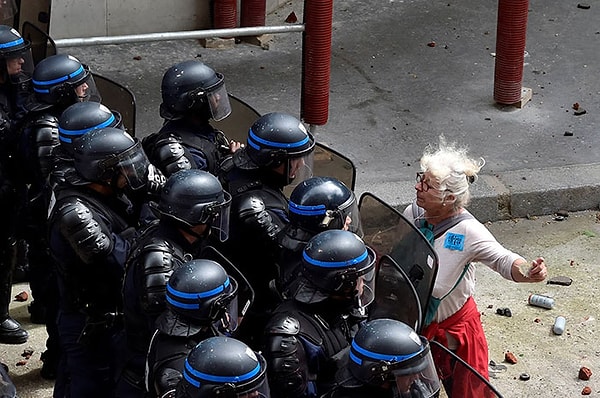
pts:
[510, 47]
[316, 61]
[253, 13]
[225, 14]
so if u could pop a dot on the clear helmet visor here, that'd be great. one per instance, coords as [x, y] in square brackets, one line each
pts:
[229, 320]
[365, 290]
[19, 66]
[133, 165]
[218, 101]
[87, 90]
[220, 222]
[420, 380]
[351, 217]
[299, 169]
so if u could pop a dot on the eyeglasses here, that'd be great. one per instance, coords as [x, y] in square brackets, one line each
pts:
[421, 180]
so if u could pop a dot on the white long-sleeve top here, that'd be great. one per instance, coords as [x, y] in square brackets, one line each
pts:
[468, 241]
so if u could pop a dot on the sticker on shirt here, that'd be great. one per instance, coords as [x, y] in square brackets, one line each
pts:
[454, 241]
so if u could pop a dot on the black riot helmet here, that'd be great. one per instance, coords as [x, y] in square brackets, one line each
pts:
[275, 139]
[103, 155]
[192, 87]
[201, 293]
[223, 367]
[194, 197]
[12, 44]
[13, 47]
[83, 117]
[55, 79]
[321, 203]
[387, 351]
[336, 264]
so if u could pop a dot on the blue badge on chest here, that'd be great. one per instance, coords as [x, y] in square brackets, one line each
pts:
[454, 241]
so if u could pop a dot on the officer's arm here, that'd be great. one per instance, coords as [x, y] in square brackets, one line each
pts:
[169, 155]
[166, 382]
[286, 358]
[88, 235]
[157, 262]
[258, 223]
[46, 139]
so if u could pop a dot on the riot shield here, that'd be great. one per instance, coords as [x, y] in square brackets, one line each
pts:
[327, 162]
[388, 232]
[42, 45]
[395, 296]
[236, 125]
[458, 378]
[118, 98]
[245, 290]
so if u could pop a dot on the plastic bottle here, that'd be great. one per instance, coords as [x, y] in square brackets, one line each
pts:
[559, 325]
[541, 301]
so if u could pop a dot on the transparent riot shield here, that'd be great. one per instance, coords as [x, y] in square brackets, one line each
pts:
[118, 98]
[388, 232]
[245, 290]
[327, 162]
[42, 45]
[236, 125]
[395, 296]
[458, 378]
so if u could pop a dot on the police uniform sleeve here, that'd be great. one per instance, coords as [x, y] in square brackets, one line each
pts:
[258, 223]
[167, 153]
[156, 263]
[87, 234]
[286, 358]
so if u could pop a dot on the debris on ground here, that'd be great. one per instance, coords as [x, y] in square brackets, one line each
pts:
[510, 357]
[560, 280]
[504, 312]
[23, 296]
[584, 373]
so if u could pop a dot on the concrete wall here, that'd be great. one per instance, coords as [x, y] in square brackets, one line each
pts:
[89, 18]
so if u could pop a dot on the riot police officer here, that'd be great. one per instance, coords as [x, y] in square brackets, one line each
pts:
[90, 228]
[201, 303]
[223, 367]
[56, 81]
[316, 204]
[16, 67]
[387, 359]
[192, 94]
[193, 208]
[307, 333]
[278, 151]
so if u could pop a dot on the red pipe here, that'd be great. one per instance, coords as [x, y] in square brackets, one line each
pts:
[253, 13]
[225, 14]
[510, 47]
[316, 61]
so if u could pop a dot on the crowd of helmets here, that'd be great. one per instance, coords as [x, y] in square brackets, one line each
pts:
[175, 265]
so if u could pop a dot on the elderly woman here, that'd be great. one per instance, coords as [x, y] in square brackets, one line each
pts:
[460, 240]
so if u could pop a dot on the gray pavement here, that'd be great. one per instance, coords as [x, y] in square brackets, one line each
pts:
[392, 94]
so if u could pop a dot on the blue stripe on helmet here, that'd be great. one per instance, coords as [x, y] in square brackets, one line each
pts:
[77, 133]
[12, 43]
[192, 375]
[273, 144]
[192, 296]
[307, 210]
[383, 357]
[335, 264]
[355, 359]
[60, 79]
